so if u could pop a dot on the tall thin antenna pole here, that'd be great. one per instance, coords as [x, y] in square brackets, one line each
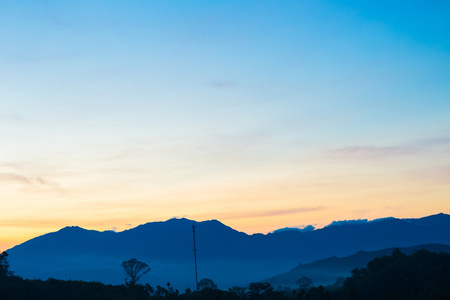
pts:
[195, 259]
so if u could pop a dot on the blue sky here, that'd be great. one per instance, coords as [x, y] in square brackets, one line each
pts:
[262, 114]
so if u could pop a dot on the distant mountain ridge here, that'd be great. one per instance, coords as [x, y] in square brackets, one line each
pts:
[227, 256]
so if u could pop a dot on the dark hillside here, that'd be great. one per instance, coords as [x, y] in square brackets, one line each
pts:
[326, 271]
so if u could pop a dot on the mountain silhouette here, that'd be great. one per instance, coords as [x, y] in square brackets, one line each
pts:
[326, 271]
[227, 256]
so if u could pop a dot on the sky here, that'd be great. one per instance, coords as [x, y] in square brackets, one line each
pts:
[261, 114]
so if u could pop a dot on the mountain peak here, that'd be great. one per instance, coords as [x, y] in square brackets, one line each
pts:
[72, 228]
[437, 219]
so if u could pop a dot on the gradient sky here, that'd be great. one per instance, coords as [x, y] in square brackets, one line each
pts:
[261, 114]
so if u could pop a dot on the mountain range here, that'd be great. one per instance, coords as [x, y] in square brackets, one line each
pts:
[227, 256]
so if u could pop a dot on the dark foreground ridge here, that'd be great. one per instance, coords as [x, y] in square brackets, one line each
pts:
[327, 271]
[421, 275]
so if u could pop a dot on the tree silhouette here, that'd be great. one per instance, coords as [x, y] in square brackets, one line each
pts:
[304, 283]
[206, 283]
[260, 290]
[421, 275]
[4, 265]
[134, 269]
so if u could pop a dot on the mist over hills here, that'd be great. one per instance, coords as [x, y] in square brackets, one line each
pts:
[325, 271]
[227, 256]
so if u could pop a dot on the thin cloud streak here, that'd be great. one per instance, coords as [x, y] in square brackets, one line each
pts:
[417, 147]
[265, 213]
[15, 178]
[30, 181]
[370, 152]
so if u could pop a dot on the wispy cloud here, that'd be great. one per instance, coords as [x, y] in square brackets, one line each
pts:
[347, 222]
[371, 152]
[180, 217]
[278, 212]
[420, 146]
[263, 213]
[34, 181]
[302, 228]
[15, 178]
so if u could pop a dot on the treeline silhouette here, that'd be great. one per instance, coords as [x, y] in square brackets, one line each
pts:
[421, 275]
